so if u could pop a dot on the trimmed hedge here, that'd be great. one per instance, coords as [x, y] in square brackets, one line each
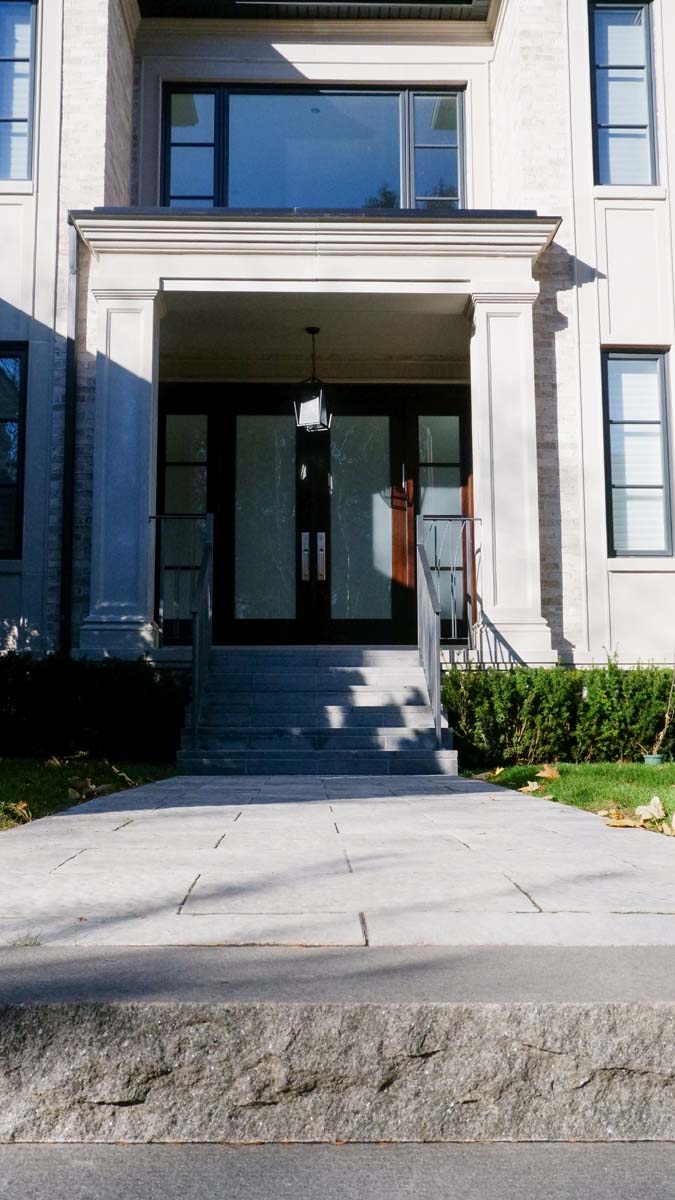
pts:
[533, 715]
[111, 709]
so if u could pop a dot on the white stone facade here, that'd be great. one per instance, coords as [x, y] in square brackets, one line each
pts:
[605, 282]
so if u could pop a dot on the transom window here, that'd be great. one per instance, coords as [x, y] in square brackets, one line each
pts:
[17, 38]
[624, 124]
[637, 454]
[312, 149]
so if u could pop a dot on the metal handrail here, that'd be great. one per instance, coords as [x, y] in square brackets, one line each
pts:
[202, 628]
[429, 629]
[453, 548]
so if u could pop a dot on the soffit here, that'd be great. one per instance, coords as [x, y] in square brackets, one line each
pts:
[336, 10]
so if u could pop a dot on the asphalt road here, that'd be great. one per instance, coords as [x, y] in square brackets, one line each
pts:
[448, 1172]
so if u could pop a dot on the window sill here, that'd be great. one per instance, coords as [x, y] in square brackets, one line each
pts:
[643, 191]
[663, 565]
[16, 187]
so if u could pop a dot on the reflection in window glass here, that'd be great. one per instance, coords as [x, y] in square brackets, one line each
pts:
[12, 366]
[622, 80]
[16, 67]
[314, 151]
[265, 518]
[361, 521]
[192, 151]
[638, 455]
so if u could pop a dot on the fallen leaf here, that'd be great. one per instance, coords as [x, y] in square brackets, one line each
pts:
[545, 797]
[53, 761]
[531, 786]
[72, 794]
[105, 789]
[654, 811]
[498, 771]
[21, 810]
[603, 812]
[548, 772]
[622, 823]
[121, 775]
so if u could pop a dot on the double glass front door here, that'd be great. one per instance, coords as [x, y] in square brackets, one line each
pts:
[314, 524]
[314, 532]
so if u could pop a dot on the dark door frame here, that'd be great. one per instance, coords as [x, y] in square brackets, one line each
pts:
[403, 403]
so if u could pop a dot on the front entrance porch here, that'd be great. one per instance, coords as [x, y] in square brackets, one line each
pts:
[314, 532]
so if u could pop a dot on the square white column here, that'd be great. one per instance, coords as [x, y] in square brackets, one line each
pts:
[503, 417]
[121, 617]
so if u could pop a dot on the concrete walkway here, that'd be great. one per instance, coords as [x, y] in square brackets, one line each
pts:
[423, 861]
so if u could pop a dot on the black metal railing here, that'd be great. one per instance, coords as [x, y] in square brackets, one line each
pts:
[180, 542]
[429, 628]
[453, 550]
[202, 633]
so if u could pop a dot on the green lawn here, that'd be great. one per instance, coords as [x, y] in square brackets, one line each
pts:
[43, 787]
[596, 786]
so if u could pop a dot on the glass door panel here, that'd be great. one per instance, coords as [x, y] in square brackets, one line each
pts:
[361, 518]
[265, 528]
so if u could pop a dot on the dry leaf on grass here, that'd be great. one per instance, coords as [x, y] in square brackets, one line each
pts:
[531, 786]
[622, 823]
[548, 772]
[20, 810]
[654, 811]
[122, 776]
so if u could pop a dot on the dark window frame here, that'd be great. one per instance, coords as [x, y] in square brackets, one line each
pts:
[595, 6]
[17, 350]
[30, 120]
[407, 147]
[660, 356]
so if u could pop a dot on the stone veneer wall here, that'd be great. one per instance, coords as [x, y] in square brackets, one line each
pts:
[532, 168]
[98, 64]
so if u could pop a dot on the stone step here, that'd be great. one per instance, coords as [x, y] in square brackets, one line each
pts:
[318, 680]
[322, 716]
[317, 762]
[215, 737]
[316, 656]
[339, 1045]
[261, 701]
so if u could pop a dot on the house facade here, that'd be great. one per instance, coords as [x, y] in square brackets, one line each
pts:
[470, 202]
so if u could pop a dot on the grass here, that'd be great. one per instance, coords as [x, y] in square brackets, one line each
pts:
[33, 788]
[596, 786]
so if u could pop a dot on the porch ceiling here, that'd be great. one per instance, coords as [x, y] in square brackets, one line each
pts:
[352, 10]
[221, 336]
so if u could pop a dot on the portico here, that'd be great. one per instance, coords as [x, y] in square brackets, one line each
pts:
[477, 266]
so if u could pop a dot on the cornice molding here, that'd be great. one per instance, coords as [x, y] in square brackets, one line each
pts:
[140, 234]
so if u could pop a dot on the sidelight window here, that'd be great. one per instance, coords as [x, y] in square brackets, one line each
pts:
[312, 149]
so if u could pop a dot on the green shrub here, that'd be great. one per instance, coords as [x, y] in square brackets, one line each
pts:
[56, 705]
[529, 715]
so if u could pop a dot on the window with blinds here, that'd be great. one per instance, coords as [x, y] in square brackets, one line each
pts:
[623, 103]
[637, 454]
[17, 41]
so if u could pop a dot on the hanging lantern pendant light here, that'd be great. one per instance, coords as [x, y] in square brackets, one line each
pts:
[311, 408]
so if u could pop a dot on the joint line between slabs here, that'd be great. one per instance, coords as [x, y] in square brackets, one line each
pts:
[364, 929]
[69, 859]
[220, 839]
[348, 862]
[129, 821]
[186, 897]
[524, 893]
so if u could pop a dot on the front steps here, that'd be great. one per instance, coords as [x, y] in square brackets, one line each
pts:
[301, 710]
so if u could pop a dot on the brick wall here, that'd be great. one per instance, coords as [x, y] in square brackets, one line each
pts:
[532, 168]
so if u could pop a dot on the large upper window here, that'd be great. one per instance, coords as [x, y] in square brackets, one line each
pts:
[637, 454]
[17, 23]
[312, 149]
[12, 405]
[624, 124]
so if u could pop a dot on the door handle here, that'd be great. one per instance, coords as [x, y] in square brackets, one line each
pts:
[304, 548]
[321, 557]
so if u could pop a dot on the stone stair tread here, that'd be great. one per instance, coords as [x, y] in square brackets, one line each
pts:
[318, 762]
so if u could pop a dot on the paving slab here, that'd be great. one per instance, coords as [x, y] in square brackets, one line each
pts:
[525, 1172]
[357, 861]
